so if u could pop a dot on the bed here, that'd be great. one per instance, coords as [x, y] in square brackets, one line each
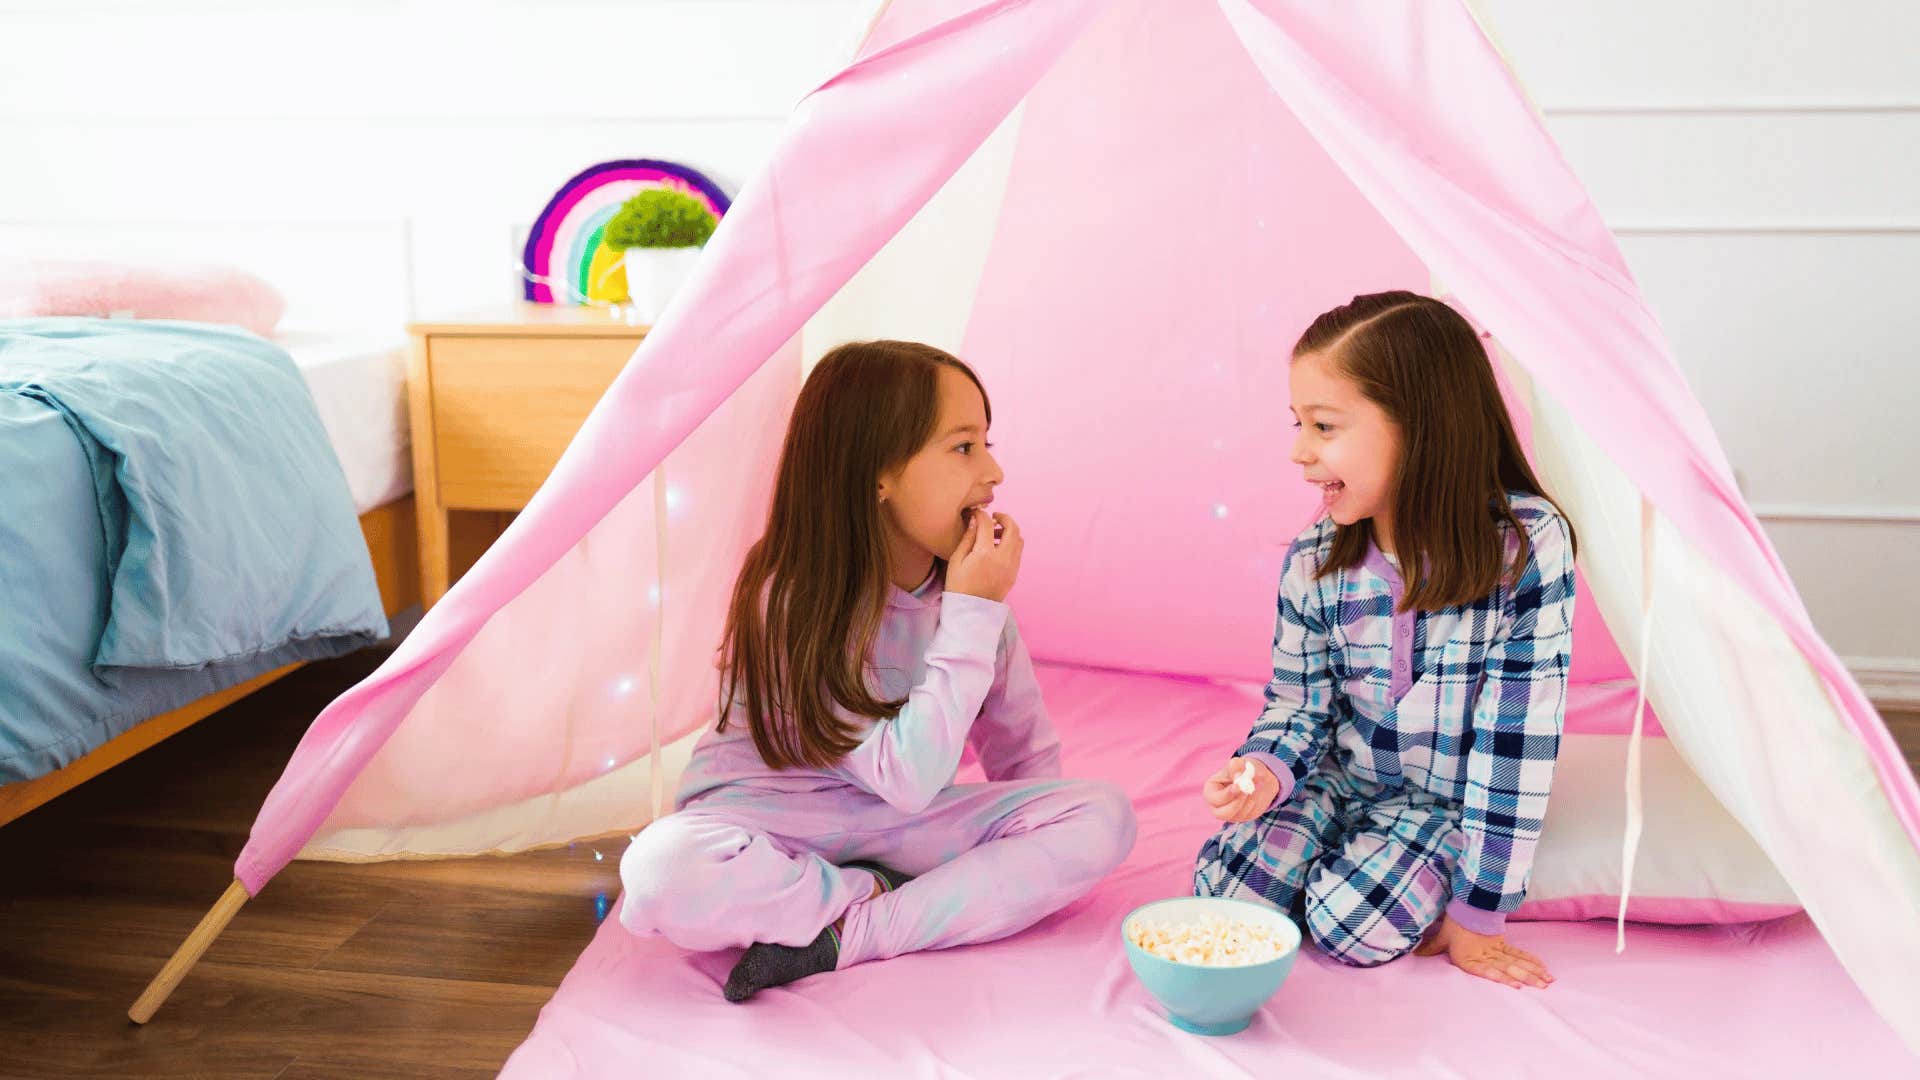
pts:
[357, 384]
[1059, 1000]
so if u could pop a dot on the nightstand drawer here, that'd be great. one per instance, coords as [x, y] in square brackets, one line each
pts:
[504, 408]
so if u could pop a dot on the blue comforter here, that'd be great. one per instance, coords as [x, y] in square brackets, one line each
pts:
[172, 521]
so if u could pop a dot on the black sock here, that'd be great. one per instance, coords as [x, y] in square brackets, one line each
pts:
[763, 965]
[889, 879]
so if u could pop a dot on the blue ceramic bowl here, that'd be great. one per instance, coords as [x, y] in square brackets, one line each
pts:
[1211, 1000]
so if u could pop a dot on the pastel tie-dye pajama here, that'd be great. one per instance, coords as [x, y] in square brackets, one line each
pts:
[753, 854]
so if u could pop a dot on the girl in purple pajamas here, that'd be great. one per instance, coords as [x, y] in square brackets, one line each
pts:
[868, 645]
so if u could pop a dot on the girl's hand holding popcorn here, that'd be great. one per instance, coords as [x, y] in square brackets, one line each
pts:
[1241, 791]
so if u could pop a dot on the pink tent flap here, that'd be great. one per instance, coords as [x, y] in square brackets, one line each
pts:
[795, 235]
[1476, 185]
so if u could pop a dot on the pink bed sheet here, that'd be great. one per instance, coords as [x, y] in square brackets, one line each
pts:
[1060, 1001]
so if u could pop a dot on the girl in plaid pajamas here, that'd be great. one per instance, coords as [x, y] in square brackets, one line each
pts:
[1401, 765]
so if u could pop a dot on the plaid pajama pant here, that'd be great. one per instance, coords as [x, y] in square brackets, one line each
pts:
[1369, 870]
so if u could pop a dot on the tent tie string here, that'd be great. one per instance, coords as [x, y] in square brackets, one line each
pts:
[655, 788]
[1630, 841]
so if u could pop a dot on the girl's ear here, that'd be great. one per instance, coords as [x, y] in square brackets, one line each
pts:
[885, 490]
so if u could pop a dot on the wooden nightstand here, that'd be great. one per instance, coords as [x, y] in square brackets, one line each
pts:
[495, 397]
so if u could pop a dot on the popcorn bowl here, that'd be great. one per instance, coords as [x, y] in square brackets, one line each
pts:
[1207, 999]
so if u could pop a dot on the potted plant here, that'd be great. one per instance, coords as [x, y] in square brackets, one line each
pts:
[658, 234]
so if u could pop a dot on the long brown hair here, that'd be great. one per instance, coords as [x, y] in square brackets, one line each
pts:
[812, 590]
[1423, 364]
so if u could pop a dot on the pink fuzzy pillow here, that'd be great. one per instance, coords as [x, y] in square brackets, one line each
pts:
[198, 292]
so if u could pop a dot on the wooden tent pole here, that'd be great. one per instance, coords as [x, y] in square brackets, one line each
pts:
[188, 954]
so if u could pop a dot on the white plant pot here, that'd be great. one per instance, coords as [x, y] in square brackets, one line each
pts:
[654, 275]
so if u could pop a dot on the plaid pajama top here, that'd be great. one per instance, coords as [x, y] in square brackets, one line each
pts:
[1465, 703]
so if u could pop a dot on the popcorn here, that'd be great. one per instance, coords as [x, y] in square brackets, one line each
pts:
[1245, 780]
[1212, 942]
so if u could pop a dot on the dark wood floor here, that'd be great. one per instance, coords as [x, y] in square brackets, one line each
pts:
[412, 969]
[1906, 731]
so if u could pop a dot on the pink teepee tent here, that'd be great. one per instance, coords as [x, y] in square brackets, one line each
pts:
[1123, 212]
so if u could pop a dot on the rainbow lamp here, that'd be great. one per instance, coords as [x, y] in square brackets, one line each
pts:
[566, 260]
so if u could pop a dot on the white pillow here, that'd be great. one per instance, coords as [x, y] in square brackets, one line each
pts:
[1696, 864]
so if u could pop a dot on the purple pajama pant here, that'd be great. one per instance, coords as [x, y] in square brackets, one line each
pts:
[744, 864]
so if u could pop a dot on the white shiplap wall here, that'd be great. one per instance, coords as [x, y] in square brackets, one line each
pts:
[1760, 161]
[1759, 158]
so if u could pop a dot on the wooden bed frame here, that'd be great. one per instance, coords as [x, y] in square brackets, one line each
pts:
[392, 540]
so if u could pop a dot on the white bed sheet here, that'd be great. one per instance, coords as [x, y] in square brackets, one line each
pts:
[359, 383]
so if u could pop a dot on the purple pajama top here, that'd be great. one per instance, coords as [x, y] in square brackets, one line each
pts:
[967, 679]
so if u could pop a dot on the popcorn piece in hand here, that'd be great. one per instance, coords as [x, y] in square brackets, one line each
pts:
[1245, 780]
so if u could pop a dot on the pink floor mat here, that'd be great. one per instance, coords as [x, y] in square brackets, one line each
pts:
[1060, 1001]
